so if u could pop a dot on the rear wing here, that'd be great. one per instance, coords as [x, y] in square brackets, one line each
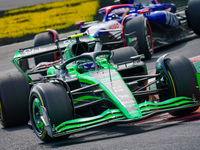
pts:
[22, 58]
[31, 52]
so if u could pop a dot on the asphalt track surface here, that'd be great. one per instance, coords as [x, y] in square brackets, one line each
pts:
[162, 132]
[10, 4]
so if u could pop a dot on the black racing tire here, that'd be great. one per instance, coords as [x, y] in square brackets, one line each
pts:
[124, 1]
[183, 75]
[193, 15]
[55, 99]
[141, 26]
[123, 54]
[41, 39]
[14, 94]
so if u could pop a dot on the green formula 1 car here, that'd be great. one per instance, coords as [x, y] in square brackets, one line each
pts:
[87, 87]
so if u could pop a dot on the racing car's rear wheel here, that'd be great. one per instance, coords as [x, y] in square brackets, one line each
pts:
[183, 79]
[123, 54]
[14, 93]
[41, 39]
[141, 26]
[55, 99]
[193, 15]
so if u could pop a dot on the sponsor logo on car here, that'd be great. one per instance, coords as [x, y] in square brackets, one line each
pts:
[114, 26]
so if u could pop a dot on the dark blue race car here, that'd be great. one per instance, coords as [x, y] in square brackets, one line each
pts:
[144, 24]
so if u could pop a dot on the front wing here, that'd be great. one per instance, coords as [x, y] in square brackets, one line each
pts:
[115, 116]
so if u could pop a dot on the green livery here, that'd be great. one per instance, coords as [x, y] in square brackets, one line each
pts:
[83, 87]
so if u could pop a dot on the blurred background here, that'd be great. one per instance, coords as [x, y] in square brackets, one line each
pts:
[20, 20]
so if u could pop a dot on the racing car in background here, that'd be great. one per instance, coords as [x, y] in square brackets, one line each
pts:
[88, 87]
[151, 23]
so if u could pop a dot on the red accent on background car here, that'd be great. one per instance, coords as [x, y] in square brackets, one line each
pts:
[156, 2]
[123, 38]
[168, 9]
[148, 25]
[80, 22]
[143, 11]
[114, 26]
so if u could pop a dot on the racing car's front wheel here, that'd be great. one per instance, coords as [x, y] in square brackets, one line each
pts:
[54, 98]
[193, 15]
[183, 79]
[141, 26]
[14, 93]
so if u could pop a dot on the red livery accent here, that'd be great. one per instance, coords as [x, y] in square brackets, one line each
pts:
[80, 22]
[143, 11]
[114, 26]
